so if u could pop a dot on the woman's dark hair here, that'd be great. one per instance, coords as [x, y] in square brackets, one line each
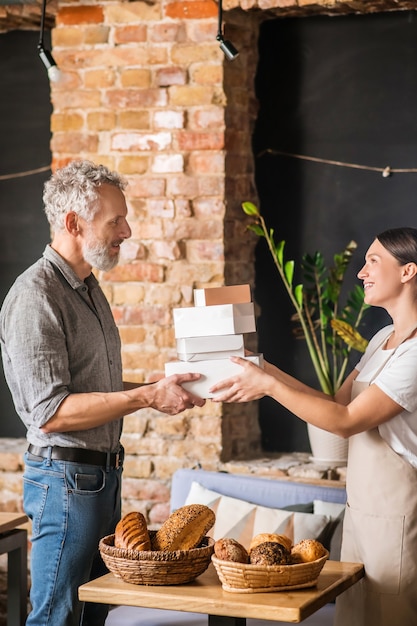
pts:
[401, 243]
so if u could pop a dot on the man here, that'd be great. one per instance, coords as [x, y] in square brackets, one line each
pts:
[62, 362]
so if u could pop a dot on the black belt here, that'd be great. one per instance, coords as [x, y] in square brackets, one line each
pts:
[79, 455]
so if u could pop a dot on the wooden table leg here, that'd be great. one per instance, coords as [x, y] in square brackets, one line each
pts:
[15, 544]
[220, 620]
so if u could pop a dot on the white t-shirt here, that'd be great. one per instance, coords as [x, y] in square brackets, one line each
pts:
[395, 373]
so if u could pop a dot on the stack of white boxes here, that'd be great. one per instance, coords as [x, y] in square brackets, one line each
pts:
[209, 333]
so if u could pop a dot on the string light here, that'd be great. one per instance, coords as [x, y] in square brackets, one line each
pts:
[385, 171]
[39, 170]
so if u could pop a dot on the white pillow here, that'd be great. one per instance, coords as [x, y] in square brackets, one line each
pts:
[243, 520]
[337, 513]
[333, 509]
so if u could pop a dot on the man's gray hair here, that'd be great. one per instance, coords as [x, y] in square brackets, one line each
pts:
[75, 188]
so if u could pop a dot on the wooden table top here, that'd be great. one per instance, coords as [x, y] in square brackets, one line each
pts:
[205, 595]
[10, 521]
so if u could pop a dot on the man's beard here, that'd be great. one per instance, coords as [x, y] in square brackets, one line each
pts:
[97, 255]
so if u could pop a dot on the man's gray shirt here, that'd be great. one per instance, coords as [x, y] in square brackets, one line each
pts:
[58, 337]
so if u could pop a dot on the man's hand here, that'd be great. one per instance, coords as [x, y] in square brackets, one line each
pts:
[168, 396]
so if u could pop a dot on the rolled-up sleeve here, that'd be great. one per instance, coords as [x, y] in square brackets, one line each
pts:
[35, 356]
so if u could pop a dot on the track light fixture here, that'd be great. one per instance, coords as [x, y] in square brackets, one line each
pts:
[226, 46]
[44, 55]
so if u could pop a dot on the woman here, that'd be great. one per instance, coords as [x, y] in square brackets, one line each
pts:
[376, 407]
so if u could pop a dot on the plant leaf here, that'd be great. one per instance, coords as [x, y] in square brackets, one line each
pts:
[298, 293]
[249, 208]
[289, 271]
[279, 251]
[256, 229]
[349, 335]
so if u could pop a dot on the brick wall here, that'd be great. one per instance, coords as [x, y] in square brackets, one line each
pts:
[146, 90]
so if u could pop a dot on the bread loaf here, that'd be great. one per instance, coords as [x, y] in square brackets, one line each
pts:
[270, 537]
[132, 532]
[270, 553]
[185, 528]
[228, 549]
[307, 550]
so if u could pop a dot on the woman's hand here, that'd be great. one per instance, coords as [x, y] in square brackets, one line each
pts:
[251, 384]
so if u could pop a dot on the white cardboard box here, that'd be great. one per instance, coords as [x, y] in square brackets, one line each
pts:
[233, 294]
[204, 348]
[213, 371]
[221, 319]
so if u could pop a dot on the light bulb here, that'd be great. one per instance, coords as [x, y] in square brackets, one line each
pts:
[49, 62]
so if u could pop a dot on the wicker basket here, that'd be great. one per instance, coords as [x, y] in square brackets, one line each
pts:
[155, 567]
[242, 578]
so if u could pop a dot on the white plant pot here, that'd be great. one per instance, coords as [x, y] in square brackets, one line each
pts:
[327, 449]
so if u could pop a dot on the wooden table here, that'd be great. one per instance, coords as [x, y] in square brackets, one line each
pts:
[13, 540]
[205, 595]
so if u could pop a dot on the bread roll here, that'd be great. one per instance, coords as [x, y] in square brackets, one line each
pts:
[132, 532]
[270, 537]
[228, 549]
[307, 550]
[270, 553]
[184, 529]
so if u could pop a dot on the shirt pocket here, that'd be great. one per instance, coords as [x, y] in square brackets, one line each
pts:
[377, 543]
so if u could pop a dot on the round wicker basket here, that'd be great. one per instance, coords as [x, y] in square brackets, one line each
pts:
[247, 578]
[156, 567]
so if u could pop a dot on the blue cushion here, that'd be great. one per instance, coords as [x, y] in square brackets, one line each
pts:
[263, 491]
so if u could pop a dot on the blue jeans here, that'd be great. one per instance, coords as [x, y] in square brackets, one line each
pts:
[71, 507]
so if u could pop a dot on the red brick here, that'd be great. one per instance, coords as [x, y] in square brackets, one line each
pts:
[167, 250]
[207, 117]
[80, 15]
[76, 99]
[192, 9]
[171, 76]
[74, 143]
[136, 271]
[147, 187]
[127, 34]
[206, 207]
[183, 186]
[142, 314]
[66, 122]
[213, 186]
[188, 140]
[188, 229]
[206, 163]
[136, 98]
[159, 513]
[141, 141]
[166, 32]
[135, 78]
[148, 229]
[133, 119]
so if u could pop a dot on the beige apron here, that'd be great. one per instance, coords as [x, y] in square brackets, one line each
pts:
[379, 530]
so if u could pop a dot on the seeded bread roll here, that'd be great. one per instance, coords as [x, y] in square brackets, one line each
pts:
[307, 550]
[270, 537]
[270, 553]
[228, 549]
[184, 529]
[132, 532]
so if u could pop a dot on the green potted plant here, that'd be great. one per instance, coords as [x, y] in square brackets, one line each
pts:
[328, 326]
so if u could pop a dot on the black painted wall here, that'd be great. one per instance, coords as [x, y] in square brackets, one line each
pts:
[341, 89]
[25, 112]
